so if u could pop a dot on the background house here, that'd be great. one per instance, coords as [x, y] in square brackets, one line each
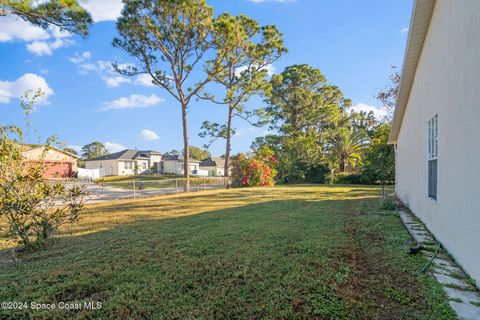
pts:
[436, 125]
[173, 164]
[58, 163]
[214, 165]
[127, 162]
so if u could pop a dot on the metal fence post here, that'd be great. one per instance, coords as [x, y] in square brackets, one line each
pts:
[134, 195]
[176, 185]
[204, 184]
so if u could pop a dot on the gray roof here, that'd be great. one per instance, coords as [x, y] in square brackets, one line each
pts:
[176, 157]
[126, 155]
[213, 162]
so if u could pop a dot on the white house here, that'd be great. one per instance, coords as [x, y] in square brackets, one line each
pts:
[436, 126]
[127, 162]
[214, 165]
[173, 164]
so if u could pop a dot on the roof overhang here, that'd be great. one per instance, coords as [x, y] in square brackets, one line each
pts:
[419, 24]
[52, 148]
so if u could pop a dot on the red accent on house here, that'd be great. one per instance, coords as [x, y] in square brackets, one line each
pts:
[58, 169]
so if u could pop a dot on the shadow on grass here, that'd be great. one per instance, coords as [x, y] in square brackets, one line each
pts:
[270, 259]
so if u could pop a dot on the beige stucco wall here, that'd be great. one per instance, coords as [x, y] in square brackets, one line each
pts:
[155, 160]
[447, 83]
[213, 170]
[111, 166]
[118, 166]
[175, 167]
[172, 167]
[50, 155]
[126, 172]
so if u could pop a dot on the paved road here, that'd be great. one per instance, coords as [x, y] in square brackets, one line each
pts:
[106, 193]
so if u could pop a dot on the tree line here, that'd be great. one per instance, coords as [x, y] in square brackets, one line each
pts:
[185, 49]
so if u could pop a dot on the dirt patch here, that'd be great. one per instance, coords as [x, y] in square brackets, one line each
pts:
[372, 287]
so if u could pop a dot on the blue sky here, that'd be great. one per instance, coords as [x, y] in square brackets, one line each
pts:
[352, 42]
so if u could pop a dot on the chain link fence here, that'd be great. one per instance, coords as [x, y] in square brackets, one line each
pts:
[139, 187]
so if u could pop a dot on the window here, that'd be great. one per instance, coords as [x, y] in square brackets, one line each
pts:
[127, 166]
[432, 157]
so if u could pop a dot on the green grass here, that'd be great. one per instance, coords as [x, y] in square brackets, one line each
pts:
[142, 177]
[296, 252]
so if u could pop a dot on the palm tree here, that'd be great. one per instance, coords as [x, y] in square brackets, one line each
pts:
[346, 148]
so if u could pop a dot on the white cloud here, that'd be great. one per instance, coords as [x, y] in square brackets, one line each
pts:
[404, 30]
[244, 131]
[40, 48]
[105, 70]
[87, 68]
[149, 135]
[113, 147]
[270, 70]
[75, 147]
[40, 41]
[379, 113]
[14, 28]
[29, 81]
[113, 82]
[103, 10]
[144, 80]
[80, 57]
[133, 101]
[100, 66]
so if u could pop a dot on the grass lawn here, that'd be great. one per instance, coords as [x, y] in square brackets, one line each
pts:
[157, 181]
[297, 252]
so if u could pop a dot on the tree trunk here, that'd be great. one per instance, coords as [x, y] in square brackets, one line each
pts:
[229, 137]
[342, 164]
[186, 151]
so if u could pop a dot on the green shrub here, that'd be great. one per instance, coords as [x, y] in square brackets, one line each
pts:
[317, 173]
[348, 178]
[299, 172]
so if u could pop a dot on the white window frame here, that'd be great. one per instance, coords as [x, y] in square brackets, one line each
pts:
[127, 165]
[432, 134]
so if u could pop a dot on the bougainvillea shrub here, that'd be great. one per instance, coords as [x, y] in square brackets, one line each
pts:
[258, 170]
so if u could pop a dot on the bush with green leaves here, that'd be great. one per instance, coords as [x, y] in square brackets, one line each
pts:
[32, 206]
[348, 178]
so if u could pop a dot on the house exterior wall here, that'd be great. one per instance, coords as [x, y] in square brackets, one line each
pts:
[447, 83]
[124, 171]
[56, 163]
[52, 155]
[155, 160]
[110, 166]
[175, 167]
[117, 167]
[143, 166]
[213, 171]
[171, 167]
